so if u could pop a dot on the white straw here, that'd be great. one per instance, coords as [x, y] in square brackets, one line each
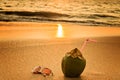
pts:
[85, 43]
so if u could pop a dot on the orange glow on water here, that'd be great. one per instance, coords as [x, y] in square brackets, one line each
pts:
[60, 31]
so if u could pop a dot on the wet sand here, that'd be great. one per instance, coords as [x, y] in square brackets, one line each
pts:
[26, 45]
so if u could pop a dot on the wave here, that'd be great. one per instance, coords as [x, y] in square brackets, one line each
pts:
[85, 19]
[28, 13]
[102, 16]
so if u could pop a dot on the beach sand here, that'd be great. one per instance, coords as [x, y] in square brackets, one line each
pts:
[24, 45]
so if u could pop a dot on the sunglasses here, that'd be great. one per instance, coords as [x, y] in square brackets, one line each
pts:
[43, 71]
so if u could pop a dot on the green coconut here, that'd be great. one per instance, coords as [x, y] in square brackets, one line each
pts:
[73, 63]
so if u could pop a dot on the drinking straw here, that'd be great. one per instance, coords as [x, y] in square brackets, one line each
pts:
[85, 43]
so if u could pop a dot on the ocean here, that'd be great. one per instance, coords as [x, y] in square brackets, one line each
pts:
[83, 12]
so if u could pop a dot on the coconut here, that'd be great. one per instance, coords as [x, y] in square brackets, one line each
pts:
[73, 63]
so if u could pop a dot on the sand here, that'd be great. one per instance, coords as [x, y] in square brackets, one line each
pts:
[24, 45]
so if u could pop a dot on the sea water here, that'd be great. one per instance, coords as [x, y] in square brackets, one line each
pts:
[84, 12]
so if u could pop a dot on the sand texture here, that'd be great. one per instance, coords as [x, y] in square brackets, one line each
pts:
[26, 45]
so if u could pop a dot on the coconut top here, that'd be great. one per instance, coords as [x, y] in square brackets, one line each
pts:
[75, 53]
